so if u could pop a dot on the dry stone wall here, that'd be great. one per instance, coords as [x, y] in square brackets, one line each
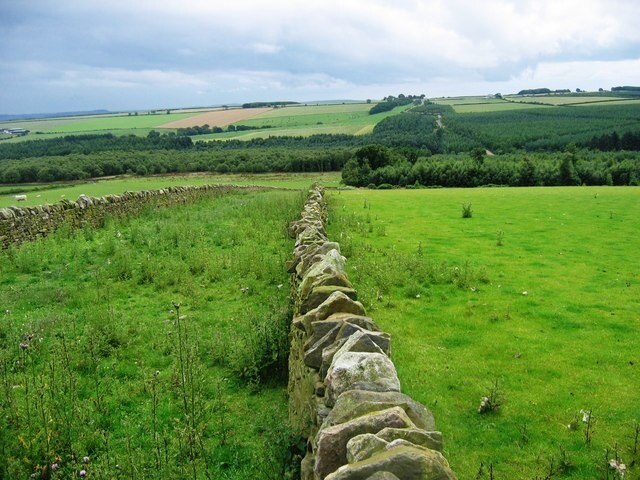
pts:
[23, 224]
[344, 391]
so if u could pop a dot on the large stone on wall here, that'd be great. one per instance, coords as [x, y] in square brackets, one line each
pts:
[332, 263]
[405, 462]
[383, 476]
[428, 439]
[326, 332]
[364, 446]
[338, 279]
[320, 294]
[331, 442]
[313, 355]
[316, 252]
[354, 403]
[336, 303]
[374, 371]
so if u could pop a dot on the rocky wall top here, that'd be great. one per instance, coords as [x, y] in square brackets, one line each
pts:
[344, 391]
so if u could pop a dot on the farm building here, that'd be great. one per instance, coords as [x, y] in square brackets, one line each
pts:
[15, 131]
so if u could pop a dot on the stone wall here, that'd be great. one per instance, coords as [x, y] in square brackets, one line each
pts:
[343, 388]
[23, 224]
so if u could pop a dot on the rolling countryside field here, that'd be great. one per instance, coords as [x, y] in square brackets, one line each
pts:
[296, 120]
[533, 301]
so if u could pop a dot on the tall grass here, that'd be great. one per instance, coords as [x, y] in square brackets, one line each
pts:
[151, 348]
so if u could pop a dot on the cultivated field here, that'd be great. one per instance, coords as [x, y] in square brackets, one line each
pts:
[517, 102]
[52, 193]
[533, 300]
[565, 100]
[154, 347]
[217, 118]
[348, 118]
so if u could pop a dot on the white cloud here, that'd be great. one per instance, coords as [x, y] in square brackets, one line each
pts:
[323, 47]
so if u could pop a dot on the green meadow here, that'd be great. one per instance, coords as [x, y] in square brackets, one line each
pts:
[151, 348]
[533, 302]
[119, 122]
[52, 193]
[566, 99]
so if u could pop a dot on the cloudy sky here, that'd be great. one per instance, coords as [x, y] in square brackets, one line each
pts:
[66, 55]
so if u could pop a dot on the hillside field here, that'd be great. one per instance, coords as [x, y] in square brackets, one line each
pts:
[534, 299]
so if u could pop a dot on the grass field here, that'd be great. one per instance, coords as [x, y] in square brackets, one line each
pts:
[54, 193]
[96, 360]
[350, 118]
[119, 122]
[490, 104]
[566, 99]
[465, 100]
[494, 107]
[539, 291]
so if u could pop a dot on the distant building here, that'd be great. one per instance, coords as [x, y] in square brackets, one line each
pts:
[15, 131]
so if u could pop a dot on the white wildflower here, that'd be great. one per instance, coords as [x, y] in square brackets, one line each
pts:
[618, 466]
[586, 415]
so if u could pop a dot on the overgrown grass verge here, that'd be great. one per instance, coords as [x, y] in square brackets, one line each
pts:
[527, 353]
[151, 348]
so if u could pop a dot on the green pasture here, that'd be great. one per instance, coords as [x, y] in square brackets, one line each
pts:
[494, 107]
[119, 122]
[156, 346]
[566, 99]
[319, 109]
[611, 102]
[538, 293]
[52, 193]
[466, 100]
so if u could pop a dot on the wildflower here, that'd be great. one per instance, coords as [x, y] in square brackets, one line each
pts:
[24, 346]
[586, 415]
[82, 473]
[485, 405]
[55, 466]
[618, 466]
[85, 459]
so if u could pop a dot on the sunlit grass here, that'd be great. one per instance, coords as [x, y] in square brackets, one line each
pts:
[545, 301]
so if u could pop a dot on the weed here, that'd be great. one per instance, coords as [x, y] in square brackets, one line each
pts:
[500, 238]
[587, 418]
[493, 401]
[467, 211]
[524, 435]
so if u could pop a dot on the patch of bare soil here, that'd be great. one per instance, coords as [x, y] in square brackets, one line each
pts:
[218, 118]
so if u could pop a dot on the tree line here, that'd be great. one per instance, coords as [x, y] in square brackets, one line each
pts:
[377, 165]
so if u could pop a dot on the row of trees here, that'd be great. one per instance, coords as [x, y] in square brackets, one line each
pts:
[378, 165]
[78, 166]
